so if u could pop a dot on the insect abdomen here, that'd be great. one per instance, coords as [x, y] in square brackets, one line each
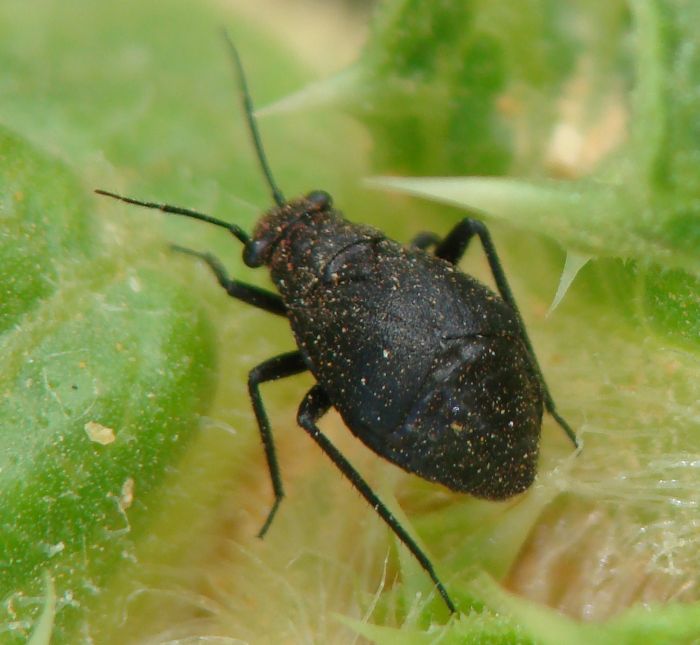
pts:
[475, 426]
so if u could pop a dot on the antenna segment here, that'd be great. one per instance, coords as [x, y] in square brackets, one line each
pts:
[252, 123]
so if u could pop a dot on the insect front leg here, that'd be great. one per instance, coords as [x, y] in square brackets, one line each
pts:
[315, 404]
[451, 248]
[252, 295]
[260, 298]
[272, 369]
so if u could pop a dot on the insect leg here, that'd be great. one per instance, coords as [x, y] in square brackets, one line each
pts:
[312, 408]
[272, 369]
[425, 240]
[455, 243]
[260, 298]
[451, 248]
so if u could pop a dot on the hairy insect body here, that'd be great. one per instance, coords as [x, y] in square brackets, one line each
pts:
[425, 364]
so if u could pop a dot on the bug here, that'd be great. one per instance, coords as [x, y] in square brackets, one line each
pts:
[428, 367]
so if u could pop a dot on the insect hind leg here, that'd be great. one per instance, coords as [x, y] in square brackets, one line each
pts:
[315, 404]
[451, 248]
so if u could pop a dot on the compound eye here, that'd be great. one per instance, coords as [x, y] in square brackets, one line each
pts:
[320, 200]
[254, 253]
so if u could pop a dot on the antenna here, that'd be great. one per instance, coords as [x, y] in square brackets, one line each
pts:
[252, 123]
[177, 210]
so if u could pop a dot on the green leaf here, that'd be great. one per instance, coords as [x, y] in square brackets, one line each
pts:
[45, 229]
[103, 374]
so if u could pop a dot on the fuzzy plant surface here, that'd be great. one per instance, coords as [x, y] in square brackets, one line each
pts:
[132, 483]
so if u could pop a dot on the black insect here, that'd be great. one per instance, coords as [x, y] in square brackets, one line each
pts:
[427, 366]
